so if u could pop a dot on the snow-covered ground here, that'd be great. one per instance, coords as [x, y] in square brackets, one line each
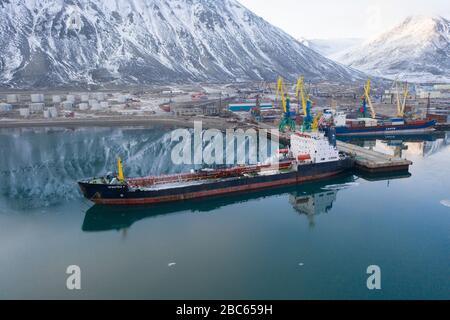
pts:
[416, 50]
[330, 47]
[54, 42]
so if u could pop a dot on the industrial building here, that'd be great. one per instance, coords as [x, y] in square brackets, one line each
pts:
[5, 107]
[248, 106]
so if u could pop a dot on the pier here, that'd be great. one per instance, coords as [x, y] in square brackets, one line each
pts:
[365, 160]
[372, 161]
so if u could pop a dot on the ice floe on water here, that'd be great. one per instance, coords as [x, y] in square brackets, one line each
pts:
[446, 203]
[342, 186]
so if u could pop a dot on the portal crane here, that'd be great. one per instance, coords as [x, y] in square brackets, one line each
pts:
[401, 105]
[317, 121]
[286, 121]
[256, 111]
[367, 100]
[306, 104]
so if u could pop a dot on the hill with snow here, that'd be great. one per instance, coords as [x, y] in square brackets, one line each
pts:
[330, 47]
[418, 50]
[78, 42]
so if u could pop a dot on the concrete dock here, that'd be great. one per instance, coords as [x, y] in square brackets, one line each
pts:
[366, 160]
[372, 161]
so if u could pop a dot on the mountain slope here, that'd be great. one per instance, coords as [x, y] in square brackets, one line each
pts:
[330, 47]
[57, 42]
[418, 50]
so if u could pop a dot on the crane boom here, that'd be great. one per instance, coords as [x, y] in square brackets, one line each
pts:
[281, 91]
[369, 101]
[401, 105]
[315, 124]
[286, 121]
[399, 108]
[405, 95]
[300, 91]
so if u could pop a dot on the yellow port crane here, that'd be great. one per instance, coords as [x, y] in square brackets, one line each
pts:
[401, 105]
[306, 104]
[367, 89]
[281, 89]
[300, 93]
[315, 124]
[286, 121]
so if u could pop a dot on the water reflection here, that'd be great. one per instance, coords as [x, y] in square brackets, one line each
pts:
[307, 199]
[312, 205]
[404, 146]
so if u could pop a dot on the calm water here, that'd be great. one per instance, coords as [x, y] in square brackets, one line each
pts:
[306, 242]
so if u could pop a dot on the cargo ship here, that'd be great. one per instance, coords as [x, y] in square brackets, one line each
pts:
[370, 126]
[106, 218]
[312, 156]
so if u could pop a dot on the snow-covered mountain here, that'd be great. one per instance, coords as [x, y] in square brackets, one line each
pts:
[57, 42]
[418, 50]
[330, 47]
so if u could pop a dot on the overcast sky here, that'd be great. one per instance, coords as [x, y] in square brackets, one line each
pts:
[342, 18]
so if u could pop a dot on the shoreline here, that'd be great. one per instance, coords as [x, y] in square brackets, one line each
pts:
[216, 123]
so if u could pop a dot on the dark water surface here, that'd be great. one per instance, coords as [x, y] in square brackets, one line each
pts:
[313, 241]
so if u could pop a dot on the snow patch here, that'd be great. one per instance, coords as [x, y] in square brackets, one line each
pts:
[446, 203]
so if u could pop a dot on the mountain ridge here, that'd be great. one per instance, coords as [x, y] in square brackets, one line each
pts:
[73, 42]
[418, 49]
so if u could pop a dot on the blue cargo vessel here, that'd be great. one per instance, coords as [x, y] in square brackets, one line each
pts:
[413, 126]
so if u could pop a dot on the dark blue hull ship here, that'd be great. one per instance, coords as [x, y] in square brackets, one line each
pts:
[409, 127]
[151, 190]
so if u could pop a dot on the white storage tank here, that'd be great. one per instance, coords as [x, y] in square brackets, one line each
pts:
[67, 105]
[83, 106]
[56, 99]
[53, 112]
[96, 107]
[37, 98]
[24, 112]
[37, 107]
[123, 98]
[100, 96]
[12, 98]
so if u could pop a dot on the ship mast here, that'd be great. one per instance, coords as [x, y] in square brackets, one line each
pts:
[120, 175]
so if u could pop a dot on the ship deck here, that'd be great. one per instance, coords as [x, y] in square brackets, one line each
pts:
[181, 183]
